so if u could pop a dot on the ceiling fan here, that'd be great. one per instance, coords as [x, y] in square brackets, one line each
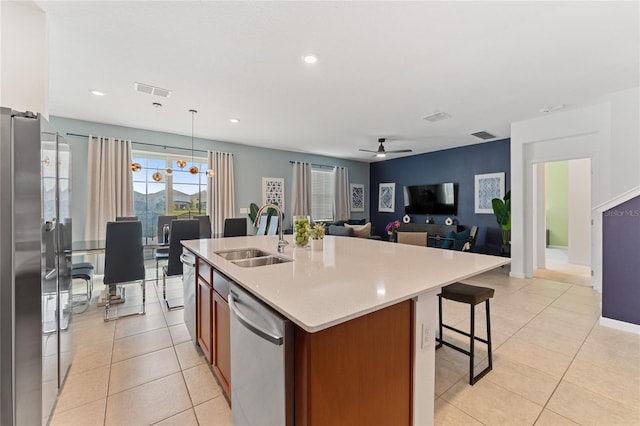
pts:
[381, 153]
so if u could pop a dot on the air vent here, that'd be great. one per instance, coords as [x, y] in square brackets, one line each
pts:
[437, 116]
[151, 90]
[483, 135]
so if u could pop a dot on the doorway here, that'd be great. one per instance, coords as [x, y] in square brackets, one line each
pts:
[563, 218]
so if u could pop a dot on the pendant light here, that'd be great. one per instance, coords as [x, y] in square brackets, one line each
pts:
[193, 169]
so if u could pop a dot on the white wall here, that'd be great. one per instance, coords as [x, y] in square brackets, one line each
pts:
[24, 57]
[607, 132]
[579, 212]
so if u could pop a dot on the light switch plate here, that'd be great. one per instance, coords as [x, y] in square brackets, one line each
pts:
[244, 210]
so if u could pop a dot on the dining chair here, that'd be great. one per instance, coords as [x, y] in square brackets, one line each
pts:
[205, 225]
[273, 225]
[262, 229]
[413, 238]
[180, 230]
[162, 253]
[126, 218]
[235, 227]
[123, 262]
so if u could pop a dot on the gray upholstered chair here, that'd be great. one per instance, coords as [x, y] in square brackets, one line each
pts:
[123, 262]
[205, 226]
[235, 227]
[413, 238]
[180, 230]
[162, 253]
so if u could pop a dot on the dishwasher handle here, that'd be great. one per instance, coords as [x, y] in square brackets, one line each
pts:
[272, 338]
[187, 260]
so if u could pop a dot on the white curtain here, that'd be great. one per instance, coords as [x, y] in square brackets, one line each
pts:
[221, 202]
[341, 205]
[109, 186]
[301, 193]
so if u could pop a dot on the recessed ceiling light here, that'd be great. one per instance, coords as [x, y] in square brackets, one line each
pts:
[234, 120]
[97, 93]
[310, 59]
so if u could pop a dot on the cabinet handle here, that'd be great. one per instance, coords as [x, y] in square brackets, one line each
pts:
[276, 340]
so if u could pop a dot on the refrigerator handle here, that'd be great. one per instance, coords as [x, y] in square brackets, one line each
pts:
[276, 340]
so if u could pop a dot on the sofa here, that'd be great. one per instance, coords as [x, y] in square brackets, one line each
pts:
[351, 228]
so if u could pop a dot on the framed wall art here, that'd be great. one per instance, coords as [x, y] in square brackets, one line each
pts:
[387, 197]
[357, 197]
[273, 191]
[487, 187]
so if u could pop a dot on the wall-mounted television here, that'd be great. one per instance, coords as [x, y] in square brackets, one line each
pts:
[441, 198]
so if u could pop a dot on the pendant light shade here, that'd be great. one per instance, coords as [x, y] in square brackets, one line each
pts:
[211, 173]
[168, 171]
[157, 176]
[135, 167]
[181, 163]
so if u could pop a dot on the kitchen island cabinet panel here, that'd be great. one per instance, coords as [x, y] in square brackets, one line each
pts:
[333, 380]
[204, 326]
[222, 342]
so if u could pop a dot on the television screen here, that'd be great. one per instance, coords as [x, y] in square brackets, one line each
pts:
[440, 198]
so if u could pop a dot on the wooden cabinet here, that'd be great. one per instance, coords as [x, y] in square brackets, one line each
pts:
[358, 372]
[204, 316]
[213, 322]
[221, 342]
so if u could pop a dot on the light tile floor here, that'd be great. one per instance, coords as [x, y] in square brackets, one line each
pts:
[553, 364]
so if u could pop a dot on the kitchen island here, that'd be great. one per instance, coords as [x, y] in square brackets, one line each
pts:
[365, 315]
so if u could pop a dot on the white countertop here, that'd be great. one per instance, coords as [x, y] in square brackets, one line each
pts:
[350, 277]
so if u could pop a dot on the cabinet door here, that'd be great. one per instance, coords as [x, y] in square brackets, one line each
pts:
[204, 319]
[222, 342]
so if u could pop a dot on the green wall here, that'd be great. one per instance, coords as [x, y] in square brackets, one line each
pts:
[250, 164]
[557, 202]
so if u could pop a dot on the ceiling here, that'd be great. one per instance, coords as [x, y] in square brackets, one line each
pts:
[382, 67]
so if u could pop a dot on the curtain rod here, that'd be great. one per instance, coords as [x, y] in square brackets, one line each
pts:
[146, 143]
[316, 165]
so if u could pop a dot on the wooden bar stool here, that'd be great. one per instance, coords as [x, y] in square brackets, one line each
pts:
[472, 295]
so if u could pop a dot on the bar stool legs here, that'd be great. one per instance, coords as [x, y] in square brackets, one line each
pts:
[471, 295]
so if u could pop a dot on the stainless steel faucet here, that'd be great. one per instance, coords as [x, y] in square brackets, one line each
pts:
[281, 240]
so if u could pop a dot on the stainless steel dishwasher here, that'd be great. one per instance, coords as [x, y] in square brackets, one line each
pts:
[188, 260]
[261, 362]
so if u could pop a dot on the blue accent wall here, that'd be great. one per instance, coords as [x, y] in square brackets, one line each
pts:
[458, 165]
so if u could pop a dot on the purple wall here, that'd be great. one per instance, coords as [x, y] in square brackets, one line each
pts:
[621, 262]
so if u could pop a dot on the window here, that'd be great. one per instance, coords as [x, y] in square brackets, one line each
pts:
[181, 194]
[322, 194]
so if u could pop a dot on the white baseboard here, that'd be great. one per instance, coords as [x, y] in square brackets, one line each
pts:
[517, 275]
[620, 325]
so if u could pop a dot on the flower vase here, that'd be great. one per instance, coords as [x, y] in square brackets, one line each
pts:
[317, 245]
[392, 236]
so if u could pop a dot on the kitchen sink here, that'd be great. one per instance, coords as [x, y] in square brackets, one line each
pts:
[245, 253]
[260, 261]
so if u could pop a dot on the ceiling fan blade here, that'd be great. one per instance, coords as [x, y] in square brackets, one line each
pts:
[367, 150]
[397, 151]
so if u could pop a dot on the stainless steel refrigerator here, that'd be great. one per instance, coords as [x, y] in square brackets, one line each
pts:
[35, 256]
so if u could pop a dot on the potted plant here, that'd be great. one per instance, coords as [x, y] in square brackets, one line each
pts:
[316, 232]
[502, 210]
[392, 228]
